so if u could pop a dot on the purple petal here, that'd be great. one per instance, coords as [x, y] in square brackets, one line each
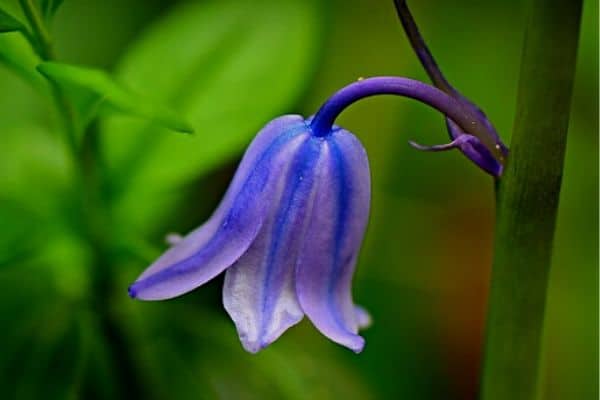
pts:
[479, 154]
[333, 238]
[481, 157]
[259, 292]
[471, 147]
[494, 166]
[208, 250]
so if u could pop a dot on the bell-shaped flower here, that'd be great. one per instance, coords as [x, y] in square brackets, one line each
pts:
[288, 232]
[289, 229]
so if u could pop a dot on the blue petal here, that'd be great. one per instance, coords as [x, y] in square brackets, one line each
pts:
[259, 292]
[333, 238]
[472, 147]
[217, 244]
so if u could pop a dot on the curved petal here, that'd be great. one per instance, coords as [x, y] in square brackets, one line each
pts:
[476, 151]
[482, 157]
[470, 146]
[259, 291]
[217, 244]
[281, 128]
[333, 238]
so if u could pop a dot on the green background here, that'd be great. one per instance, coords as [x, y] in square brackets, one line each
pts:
[67, 327]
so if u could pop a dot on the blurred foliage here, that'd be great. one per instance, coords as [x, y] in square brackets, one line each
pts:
[227, 67]
[92, 91]
[8, 23]
[227, 54]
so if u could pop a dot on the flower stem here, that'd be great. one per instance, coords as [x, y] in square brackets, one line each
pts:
[420, 47]
[40, 32]
[325, 117]
[42, 43]
[92, 208]
[527, 203]
[323, 121]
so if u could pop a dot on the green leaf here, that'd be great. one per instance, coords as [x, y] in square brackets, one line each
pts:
[8, 23]
[94, 91]
[17, 55]
[235, 66]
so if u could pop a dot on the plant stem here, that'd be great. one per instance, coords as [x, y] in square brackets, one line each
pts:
[42, 42]
[92, 208]
[40, 32]
[528, 197]
[418, 44]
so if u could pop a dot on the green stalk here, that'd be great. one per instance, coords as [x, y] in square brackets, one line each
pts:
[95, 218]
[40, 32]
[527, 205]
[42, 42]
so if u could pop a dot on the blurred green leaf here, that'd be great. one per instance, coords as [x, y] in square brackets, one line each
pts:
[8, 23]
[35, 172]
[91, 89]
[17, 55]
[34, 165]
[231, 66]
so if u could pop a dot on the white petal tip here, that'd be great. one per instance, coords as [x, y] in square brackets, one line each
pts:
[363, 318]
[253, 347]
[173, 239]
[357, 345]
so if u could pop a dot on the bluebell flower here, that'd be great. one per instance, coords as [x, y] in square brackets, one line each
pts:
[289, 229]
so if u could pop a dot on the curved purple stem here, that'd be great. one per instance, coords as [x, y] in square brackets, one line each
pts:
[437, 77]
[418, 44]
[322, 123]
